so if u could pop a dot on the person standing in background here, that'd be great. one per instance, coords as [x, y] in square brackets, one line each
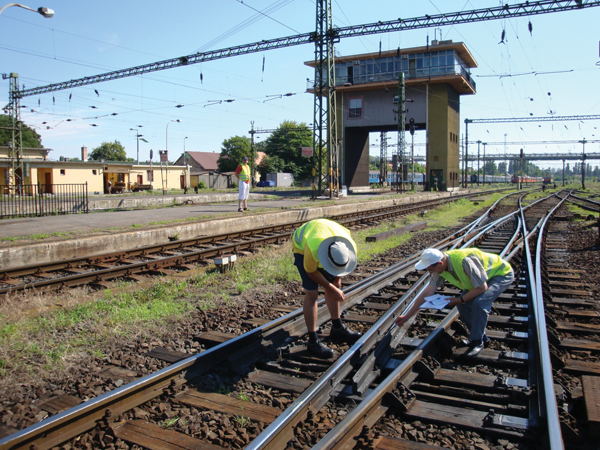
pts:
[243, 175]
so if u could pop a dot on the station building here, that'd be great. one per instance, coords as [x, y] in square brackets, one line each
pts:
[436, 76]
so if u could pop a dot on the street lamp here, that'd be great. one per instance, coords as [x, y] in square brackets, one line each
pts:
[478, 144]
[505, 161]
[484, 144]
[138, 136]
[166, 153]
[46, 12]
[167, 133]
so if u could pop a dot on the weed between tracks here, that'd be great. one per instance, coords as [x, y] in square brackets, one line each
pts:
[44, 335]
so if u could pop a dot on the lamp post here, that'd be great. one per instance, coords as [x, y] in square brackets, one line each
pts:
[138, 136]
[167, 153]
[505, 161]
[46, 12]
[478, 144]
[167, 132]
[484, 144]
[185, 164]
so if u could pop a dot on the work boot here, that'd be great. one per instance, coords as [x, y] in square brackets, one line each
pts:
[344, 334]
[474, 349]
[485, 339]
[319, 349]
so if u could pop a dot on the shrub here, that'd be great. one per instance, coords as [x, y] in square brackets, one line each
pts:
[201, 185]
[234, 185]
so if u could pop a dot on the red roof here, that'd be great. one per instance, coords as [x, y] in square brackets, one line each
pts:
[208, 161]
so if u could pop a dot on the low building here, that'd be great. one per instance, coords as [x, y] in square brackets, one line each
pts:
[124, 176]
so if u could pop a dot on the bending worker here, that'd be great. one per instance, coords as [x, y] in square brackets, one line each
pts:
[482, 277]
[323, 253]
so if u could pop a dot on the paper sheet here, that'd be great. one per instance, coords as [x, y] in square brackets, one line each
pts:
[436, 301]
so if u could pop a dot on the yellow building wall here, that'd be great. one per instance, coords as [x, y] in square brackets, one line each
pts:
[78, 174]
[443, 134]
[41, 175]
[167, 178]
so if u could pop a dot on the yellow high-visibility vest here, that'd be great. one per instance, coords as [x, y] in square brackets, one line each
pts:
[244, 173]
[492, 264]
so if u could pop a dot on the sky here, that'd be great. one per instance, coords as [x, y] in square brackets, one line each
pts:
[550, 71]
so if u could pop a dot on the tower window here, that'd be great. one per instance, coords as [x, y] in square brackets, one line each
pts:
[355, 108]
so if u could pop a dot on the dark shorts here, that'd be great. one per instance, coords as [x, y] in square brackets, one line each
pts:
[307, 282]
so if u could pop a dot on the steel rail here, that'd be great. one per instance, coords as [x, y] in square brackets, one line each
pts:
[184, 258]
[84, 417]
[147, 250]
[276, 434]
[578, 199]
[543, 346]
[589, 200]
[352, 422]
[51, 432]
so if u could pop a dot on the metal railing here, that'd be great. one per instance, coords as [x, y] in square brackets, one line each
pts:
[28, 200]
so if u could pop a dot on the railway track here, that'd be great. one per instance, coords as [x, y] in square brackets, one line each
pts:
[263, 390]
[132, 265]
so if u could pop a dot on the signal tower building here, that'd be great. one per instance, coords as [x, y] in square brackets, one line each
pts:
[436, 76]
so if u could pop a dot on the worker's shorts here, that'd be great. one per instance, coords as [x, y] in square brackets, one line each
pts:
[244, 190]
[307, 282]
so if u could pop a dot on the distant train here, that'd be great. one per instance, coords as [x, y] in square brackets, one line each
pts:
[525, 179]
[547, 179]
[420, 178]
[391, 177]
[489, 178]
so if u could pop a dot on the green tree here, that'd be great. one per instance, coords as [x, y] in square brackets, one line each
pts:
[109, 151]
[374, 162]
[490, 168]
[30, 137]
[272, 164]
[284, 147]
[232, 152]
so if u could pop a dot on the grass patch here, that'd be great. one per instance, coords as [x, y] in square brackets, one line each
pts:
[170, 422]
[243, 397]
[242, 421]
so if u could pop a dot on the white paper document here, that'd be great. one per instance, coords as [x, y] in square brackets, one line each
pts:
[436, 301]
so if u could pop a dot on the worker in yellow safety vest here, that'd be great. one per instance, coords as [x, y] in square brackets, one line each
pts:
[323, 253]
[480, 276]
